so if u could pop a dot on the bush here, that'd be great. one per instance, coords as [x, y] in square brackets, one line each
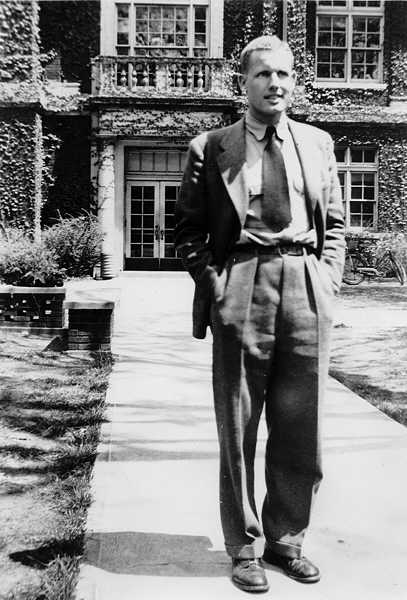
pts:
[26, 262]
[76, 242]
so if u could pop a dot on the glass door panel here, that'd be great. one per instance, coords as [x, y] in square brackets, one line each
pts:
[168, 196]
[142, 220]
[150, 225]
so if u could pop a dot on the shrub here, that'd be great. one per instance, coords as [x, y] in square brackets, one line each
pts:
[76, 241]
[24, 261]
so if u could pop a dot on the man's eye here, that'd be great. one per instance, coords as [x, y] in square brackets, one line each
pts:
[282, 74]
[263, 74]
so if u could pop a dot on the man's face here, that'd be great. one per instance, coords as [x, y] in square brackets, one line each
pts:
[269, 84]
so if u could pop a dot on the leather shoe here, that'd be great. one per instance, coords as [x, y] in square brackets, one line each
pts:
[248, 575]
[301, 569]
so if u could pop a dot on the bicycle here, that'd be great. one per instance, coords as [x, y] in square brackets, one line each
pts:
[357, 268]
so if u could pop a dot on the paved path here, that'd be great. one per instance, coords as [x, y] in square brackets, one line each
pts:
[153, 529]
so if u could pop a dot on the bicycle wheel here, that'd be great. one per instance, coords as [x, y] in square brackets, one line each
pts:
[351, 275]
[399, 270]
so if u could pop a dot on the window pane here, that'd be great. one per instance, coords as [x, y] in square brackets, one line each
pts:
[181, 26]
[148, 207]
[359, 24]
[148, 237]
[122, 39]
[200, 27]
[339, 23]
[136, 206]
[324, 39]
[357, 179]
[367, 220]
[332, 3]
[141, 26]
[136, 192]
[368, 208]
[155, 12]
[122, 11]
[181, 13]
[170, 192]
[135, 221]
[323, 71]
[338, 71]
[356, 192]
[141, 12]
[366, 3]
[369, 179]
[369, 193]
[169, 12]
[340, 154]
[149, 192]
[200, 13]
[356, 157]
[148, 221]
[373, 24]
[135, 236]
[169, 223]
[370, 155]
[373, 40]
[355, 221]
[355, 207]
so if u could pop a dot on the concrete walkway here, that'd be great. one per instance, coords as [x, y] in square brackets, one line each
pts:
[154, 529]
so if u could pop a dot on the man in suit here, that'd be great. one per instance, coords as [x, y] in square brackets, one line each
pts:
[259, 225]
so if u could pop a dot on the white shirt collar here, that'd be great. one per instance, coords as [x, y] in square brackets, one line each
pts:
[258, 128]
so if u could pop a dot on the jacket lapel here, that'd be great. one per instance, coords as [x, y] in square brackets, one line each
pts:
[232, 164]
[306, 155]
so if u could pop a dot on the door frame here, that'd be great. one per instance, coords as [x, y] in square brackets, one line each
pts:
[161, 263]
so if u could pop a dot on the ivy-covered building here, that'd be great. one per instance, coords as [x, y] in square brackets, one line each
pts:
[99, 99]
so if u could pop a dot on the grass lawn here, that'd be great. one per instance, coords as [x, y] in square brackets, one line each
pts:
[369, 349]
[51, 408]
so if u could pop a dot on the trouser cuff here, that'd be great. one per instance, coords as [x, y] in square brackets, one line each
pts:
[284, 549]
[253, 550]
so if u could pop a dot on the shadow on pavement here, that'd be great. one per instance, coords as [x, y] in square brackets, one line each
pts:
[157, 554]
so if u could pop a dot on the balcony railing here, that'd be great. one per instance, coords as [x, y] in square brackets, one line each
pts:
[132, 76]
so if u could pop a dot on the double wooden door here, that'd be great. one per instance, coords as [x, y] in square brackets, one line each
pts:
[150, 209]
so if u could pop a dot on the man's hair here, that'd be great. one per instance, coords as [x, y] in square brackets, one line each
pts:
[265, 42]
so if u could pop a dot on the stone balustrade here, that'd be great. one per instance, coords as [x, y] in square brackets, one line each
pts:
[122, 75]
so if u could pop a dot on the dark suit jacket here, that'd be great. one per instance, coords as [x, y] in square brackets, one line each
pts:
[214, 200]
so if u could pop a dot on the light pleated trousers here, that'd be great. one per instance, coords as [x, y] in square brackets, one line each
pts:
[271, 319]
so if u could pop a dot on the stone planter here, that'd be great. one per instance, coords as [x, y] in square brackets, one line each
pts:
[33, 308]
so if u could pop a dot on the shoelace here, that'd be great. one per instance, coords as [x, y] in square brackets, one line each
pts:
[249, 563]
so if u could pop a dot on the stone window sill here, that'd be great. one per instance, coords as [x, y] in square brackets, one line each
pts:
[350, 85]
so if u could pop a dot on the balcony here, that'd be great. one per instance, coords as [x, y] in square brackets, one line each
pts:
[131, 76]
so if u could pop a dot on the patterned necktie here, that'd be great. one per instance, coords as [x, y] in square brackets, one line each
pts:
[276, 213]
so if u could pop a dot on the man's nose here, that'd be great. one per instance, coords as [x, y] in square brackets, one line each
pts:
[274, 81]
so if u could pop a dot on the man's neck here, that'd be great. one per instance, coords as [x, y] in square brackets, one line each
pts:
[273, 120]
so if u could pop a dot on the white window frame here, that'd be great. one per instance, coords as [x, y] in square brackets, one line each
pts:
[347, 167]
[108, 33]
[349, 11]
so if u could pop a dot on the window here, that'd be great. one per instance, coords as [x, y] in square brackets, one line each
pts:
[349, 40]
[161, 30]
[357, 170]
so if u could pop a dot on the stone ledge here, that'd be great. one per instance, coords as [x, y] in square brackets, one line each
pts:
[17, 289]
[89, 305]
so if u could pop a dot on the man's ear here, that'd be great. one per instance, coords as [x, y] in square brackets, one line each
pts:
[294, 76]
[242, 77]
